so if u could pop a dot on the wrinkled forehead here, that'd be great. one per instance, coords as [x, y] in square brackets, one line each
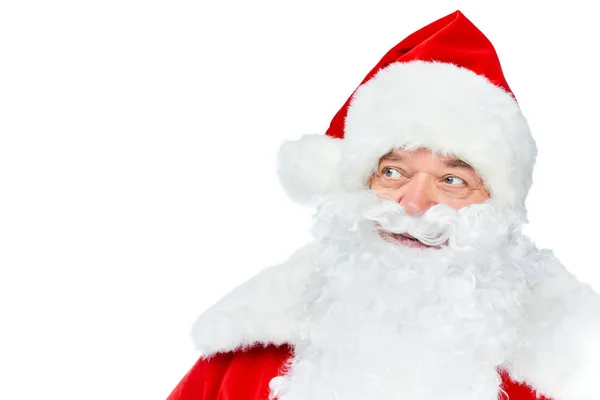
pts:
[416, 156]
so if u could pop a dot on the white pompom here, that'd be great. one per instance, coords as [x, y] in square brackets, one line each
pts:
[309, 167]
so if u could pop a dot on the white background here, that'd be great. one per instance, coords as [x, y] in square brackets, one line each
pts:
[137, 152]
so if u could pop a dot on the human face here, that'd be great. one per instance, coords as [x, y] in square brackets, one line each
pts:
[418, 180]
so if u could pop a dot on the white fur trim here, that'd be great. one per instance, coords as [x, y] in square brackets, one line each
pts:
[308, 167]
[447, 109]
[561, 356]
[263, 310]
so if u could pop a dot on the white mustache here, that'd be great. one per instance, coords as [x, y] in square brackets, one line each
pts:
[433, 228]
[438, 225]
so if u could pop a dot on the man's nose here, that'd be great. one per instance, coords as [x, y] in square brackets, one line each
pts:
[416, 196]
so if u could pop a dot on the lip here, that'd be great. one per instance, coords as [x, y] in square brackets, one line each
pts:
[407, 240]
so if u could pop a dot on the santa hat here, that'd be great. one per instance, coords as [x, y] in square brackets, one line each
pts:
[441, 88]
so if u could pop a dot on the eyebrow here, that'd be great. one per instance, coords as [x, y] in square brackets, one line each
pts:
[391, 156]
[454, 163]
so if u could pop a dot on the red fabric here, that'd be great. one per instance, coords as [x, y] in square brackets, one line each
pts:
[240, 375]
[245, 375]
[452, 39]
[517, 391]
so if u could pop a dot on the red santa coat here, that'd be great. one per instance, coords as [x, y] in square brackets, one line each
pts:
[560, 357]
[245, 375]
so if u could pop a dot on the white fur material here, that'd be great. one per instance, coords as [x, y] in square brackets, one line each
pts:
[369, 317]
[438, 106]
[561, 346]
[265, 309]
[309, 167]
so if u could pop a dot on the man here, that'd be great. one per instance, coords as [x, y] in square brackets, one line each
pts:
[420, 284]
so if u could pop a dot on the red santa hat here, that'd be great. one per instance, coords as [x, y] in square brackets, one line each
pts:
[441, 88]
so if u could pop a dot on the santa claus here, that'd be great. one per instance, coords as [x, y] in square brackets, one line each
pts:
[419, 284]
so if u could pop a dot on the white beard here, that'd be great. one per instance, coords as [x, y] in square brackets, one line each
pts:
[384, 321]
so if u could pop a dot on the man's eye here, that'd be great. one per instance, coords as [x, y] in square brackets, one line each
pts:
[391, 173]
[453, 180]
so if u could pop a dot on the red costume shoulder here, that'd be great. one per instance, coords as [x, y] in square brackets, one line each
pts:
[245, 375]
[240, 375]
[511, 390]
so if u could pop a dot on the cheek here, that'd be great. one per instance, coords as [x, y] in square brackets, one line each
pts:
[374, 185]
[380, 191]
[474, 197]
[382, 194]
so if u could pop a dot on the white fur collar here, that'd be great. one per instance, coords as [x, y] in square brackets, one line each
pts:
[561, 350]
[265, 309]
[560, 357]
